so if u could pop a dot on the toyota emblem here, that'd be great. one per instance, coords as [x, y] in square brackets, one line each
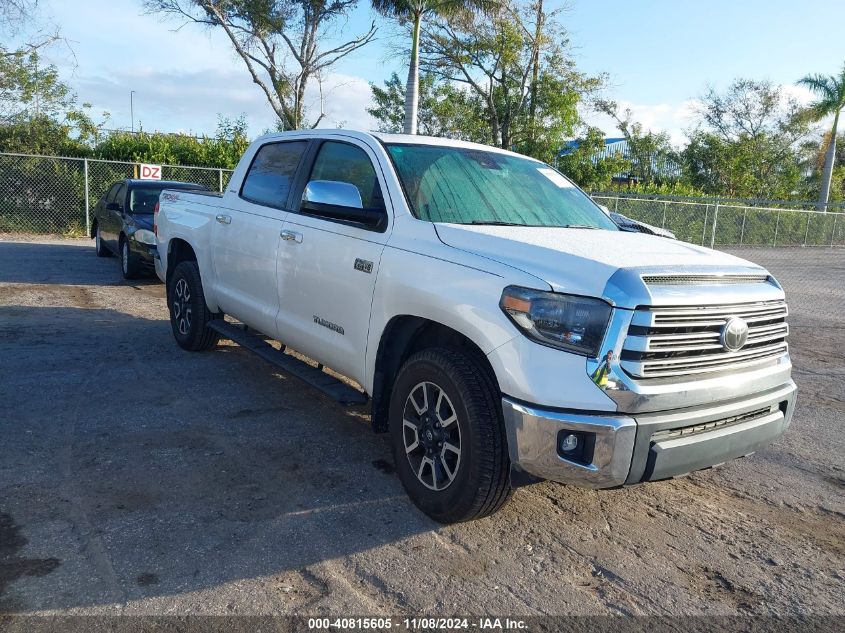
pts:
[734, 334]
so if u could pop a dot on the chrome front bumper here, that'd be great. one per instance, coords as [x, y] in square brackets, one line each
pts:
[646, 447]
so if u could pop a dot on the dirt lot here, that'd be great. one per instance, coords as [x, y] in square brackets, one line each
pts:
[136, 478]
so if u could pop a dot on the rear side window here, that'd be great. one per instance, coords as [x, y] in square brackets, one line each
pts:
[119, 195]
[348, 163]
[269, 178]
[112, 192]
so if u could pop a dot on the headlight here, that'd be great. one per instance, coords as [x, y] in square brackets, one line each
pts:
[145, 237]
[575, 324]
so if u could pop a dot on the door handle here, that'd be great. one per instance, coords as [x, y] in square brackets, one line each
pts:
[224, 219]
[291, 236]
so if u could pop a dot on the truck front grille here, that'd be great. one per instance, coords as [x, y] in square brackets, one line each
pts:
[666, 342]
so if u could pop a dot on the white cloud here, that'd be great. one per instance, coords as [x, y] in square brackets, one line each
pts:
[801, 94]
[182, 80]
[673, 118]
[345, 102]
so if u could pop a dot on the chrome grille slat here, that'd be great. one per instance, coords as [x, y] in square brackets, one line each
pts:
[710, 340]
[708, 317]
[731, 309]
[679, 341]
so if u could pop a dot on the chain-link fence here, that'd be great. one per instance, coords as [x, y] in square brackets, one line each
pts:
[726, 224]
[48, 194]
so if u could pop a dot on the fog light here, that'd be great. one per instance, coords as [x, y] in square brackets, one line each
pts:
[568, 443]
[576, 446]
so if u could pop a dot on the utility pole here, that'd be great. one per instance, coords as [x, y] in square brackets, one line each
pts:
[132, 108]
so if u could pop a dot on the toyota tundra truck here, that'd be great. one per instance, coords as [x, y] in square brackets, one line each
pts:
[501, 327]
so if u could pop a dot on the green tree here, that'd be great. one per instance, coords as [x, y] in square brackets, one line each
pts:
[279, 41]
[651, 153]
[39, 114]
[830, 90]
[746, 142]
[444, 110]
[583, 165]
[497, 57]
[222, 150]
[415, 11]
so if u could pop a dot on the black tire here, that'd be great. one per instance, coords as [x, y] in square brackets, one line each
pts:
[99, 246]
[130, 263]
[189, 318]
[480, 482]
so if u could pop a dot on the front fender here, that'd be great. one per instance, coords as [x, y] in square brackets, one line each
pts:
[422, 277]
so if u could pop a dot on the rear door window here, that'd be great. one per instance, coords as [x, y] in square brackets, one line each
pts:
[269, 178]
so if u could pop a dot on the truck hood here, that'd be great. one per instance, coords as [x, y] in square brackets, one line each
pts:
[581, 261]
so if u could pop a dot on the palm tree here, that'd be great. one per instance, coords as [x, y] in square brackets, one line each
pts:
[414, 11]
[831, 92]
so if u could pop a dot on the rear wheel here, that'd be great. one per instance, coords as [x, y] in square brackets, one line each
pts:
[448, 437]
[99, 246]
[130, 263]
[189, 314]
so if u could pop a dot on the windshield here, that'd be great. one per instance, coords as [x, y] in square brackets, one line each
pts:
[142, 199]
[468, 186]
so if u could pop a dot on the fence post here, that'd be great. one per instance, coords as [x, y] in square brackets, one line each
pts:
[713, 232]
[665, 204]
[87, 206]
[833, 233]
[704, 228]
[777, 224]
[742, 230]
[807, 232]
[221, 180]
[616, 204]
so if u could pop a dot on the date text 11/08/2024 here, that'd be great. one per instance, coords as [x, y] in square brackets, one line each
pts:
[381, 624]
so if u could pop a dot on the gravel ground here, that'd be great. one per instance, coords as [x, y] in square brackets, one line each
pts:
[136, 478]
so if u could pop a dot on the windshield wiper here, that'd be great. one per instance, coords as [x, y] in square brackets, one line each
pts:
[578, 226]
[497, 223]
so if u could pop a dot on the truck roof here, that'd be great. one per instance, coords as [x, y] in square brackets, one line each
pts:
[409, 139]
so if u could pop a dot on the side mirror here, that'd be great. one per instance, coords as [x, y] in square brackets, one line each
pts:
[339, 201]
[112, 206]
[605, 209]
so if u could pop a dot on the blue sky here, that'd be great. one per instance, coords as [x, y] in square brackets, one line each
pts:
[659, 54]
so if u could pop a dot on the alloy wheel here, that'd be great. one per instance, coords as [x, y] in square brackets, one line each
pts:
[182, 312]
[432, 436]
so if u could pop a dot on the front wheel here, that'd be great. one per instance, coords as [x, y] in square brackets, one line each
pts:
[448, 437]
[189, 314]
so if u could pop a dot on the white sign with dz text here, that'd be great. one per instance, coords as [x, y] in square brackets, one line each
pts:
[150, 172]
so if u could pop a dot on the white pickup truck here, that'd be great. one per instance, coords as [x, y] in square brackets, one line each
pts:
[500, 324]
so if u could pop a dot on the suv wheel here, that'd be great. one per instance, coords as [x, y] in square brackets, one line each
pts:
[448, 437]
[99, 245]
[189, 315]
